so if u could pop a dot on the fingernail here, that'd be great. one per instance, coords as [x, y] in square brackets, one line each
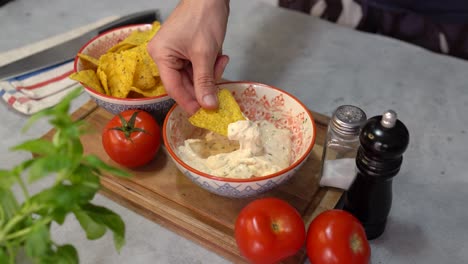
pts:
[210, 100]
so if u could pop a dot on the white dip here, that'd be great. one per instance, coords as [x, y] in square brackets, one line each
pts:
[251, 149]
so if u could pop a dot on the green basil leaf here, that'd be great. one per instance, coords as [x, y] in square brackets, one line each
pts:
[85, 175]
[59, 214]
[93, 229]
[44, 166]
[37, 241]
[7, 179]
[110, 219]
[9, 205]
[36, 146]
[73, 129]
[37, 116]
[64, 105]
[64, 196]
[94, 161]
[76, 148]
[3, 256]
[65, 254]
[59, 111]
[19, 169]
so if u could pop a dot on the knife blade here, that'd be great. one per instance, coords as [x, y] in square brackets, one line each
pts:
[68, 49]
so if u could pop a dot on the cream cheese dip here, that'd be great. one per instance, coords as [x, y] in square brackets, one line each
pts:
[251, 149]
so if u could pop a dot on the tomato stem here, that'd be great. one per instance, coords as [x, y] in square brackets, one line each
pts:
[275, 226]
[128, 127]
[355, 243]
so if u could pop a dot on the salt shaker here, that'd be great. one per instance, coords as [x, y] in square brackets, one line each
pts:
[383, 140]
[341, 145]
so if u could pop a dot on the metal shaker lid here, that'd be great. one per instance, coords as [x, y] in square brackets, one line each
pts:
[348, 120]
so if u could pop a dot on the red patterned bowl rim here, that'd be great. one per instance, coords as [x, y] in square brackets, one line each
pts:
[92, 91]
[206, 175]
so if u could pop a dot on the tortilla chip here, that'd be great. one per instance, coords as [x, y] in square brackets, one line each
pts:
[126, 69]
[87, 58]
[139, 37]
[147, 60]
[119, 69]
[218, 120]
[154, 91]
[145, 69]
[88, 78]
[103, 78]
[119, 47]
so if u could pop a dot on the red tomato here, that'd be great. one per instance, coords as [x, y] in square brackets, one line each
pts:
[268, 230]
[132, 138]
[336, 236]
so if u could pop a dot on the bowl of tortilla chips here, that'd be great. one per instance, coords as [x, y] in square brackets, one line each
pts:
[118, 73]
[205, 133]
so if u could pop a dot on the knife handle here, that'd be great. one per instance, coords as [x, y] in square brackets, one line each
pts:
[142, 17]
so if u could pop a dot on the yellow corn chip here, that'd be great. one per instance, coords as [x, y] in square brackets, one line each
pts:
[119, 69]
[87, 58]
[219, 119]
[103, 78]
[154, 91]
[139, 37]
[119, 47]
[125, 70]
[145, 69]
[147, 60]
[88, 78]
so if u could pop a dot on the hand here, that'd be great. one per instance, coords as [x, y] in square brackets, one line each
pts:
[187, 50]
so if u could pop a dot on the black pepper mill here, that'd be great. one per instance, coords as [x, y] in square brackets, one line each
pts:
[383, 140]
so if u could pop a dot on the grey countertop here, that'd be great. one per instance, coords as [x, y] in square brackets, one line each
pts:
[325, 66]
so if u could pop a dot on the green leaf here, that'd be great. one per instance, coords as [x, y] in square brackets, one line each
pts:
[73, 129]
[9, 205]
[3, 256]
[85, 175]
[37, 116]
[100, 165]
[18, 169]
[58, 215]
[36, 146]
[37, 241]
[65, 196]
[59, 111]
[110, 219]
[7, 179]
[44, 166]
[75, 149]
[94, 230]
[64, 105]
[65, 254]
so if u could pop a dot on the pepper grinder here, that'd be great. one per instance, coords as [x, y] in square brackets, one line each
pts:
[383, 140]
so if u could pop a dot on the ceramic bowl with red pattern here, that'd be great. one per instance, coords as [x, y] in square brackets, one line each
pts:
[158, 106]
[257, 102]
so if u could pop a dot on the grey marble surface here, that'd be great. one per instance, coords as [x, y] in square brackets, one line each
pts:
[325, 66]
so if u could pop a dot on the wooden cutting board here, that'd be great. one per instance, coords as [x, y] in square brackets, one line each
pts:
[161, 193]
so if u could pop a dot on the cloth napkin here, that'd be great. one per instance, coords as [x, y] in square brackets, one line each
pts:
[32, 92]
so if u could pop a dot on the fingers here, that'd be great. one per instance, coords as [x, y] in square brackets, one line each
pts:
[219, 66]
[180, 88]
[204, 80]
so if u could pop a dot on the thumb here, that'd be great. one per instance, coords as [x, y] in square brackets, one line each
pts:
[204, 82]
